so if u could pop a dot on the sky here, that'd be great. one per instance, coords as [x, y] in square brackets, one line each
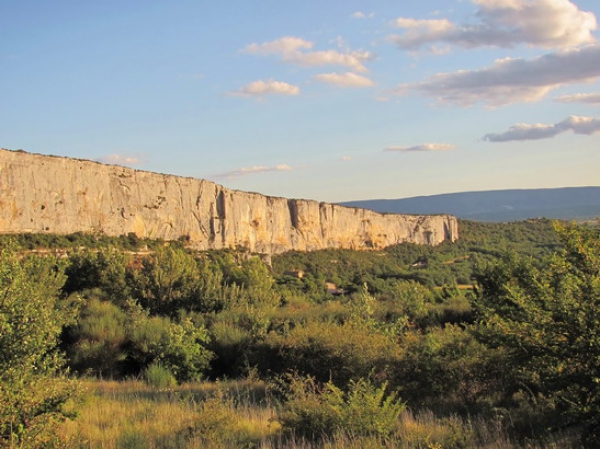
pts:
[326, 100]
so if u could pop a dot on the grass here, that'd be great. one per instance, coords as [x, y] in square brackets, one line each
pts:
[241, 414]
[133, 414]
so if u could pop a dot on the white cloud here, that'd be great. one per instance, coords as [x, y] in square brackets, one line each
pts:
[362, 15]
[347, 79]
[261, 88]
[511, 80]
[284, 45]
[346, 158]
[293, 50]
[253, 170]
[122, 159]
[578, 125]
[423, 147]
[352, 59]
[505, 23]
[419, 32]
[593, 98]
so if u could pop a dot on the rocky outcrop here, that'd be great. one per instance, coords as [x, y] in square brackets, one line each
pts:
[61, 195]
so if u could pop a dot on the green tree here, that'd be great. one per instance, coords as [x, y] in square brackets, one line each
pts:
[97, 341]
[103, 269]
[33, 390]
[168, 281]
[546, 324]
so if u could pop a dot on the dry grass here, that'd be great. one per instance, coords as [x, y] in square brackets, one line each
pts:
[239, 414]
[132, 414]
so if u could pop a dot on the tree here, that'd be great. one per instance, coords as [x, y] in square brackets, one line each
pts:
[168, 281]
[97, 341]
[546, 323]
[33, 388]
[103, 269]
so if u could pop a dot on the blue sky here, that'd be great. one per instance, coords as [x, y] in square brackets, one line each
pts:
[327, 100]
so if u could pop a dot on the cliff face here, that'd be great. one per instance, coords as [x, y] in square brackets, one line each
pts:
[61, 195]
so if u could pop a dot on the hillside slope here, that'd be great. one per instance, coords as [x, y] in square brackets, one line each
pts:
[498, 205]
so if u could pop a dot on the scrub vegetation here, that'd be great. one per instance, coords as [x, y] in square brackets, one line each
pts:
[491, 341]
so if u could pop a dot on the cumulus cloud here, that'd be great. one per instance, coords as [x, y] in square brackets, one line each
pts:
[256, 169]
[261, 88]
[122, 159]
[293, 50]
[522, 131]
[593, 98]
[423, 147]
[511, 80]
[504, 23]
[347, 79]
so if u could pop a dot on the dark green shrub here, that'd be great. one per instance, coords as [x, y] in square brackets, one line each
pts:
[230, 343]
[98, 339]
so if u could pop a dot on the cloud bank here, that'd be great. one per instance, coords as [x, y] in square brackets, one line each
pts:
[511, 80]
[504, 23]
[579, 125]
[418, 148]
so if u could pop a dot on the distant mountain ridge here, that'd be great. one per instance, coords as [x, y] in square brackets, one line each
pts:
[569, 203]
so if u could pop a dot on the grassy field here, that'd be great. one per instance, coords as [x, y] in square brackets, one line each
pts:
[243, 414]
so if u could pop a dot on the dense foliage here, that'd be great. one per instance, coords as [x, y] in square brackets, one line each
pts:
[501, 325]
[545, 325]
[33, 388]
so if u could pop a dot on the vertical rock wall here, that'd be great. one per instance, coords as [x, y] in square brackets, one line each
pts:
[62, 195]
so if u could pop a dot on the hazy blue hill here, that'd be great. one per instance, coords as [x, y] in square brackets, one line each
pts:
[498, 205]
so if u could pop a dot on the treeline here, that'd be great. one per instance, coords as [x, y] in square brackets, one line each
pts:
[338, 331]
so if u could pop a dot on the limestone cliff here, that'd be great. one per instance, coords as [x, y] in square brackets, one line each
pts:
[61, 195]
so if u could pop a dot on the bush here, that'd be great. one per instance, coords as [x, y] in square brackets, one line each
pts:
[314, 411]
[445, 367]
[180, 347]
[329, 351]
[159, 377]
[230, 344]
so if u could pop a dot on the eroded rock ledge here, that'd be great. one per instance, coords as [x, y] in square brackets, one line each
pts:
[60, 195]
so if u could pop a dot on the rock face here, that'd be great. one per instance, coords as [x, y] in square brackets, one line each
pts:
[61, 195]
